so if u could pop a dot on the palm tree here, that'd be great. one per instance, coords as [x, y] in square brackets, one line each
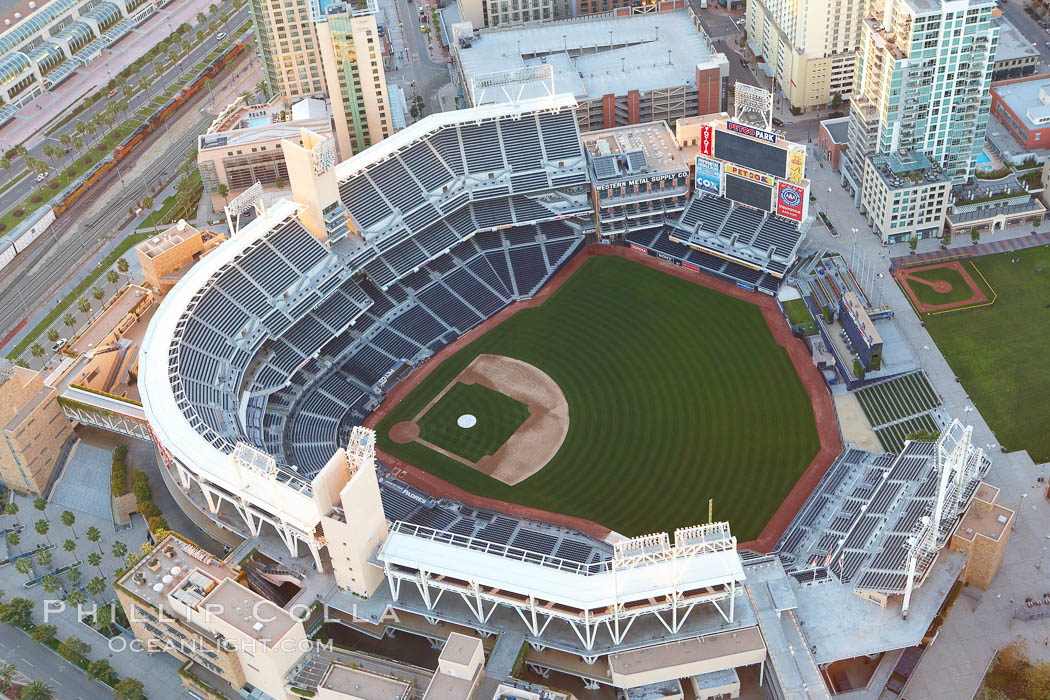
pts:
[201, 18]
[41, 527]
[7, 675]
[97, 293]
[96, 586]
[40, 504]
[38, 690]
[70, 546]
[44, 558]
[12, 509]
[24, 566]
[120, 550]
[123, 266]
[112, 277]
[95, 560]
[94, 535]
[13, 539]
[37, 350]
[69, 320]
[50, 584]
[224, 192]
[52, 335]
[200, 35]
[68, 519]
[76, 598]
[146, 83]
[5, 163]
[74, 574]
[49, 152]
[84, 306]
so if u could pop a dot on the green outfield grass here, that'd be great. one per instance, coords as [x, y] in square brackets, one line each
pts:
[498, 417]
[960, 291]
[999, 352]
[676, 394]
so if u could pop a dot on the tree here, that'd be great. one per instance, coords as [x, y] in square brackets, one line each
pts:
[40, 504]
[947, 238]
[69, 546]
[74, 649]
[146, 83]
[112, 277]
[42, 526]
[213, 9]
[120, 550]
[50, 584]
[12, 509]
[69, 320]
[52, 335]
[98, 293]
[7, 675]
[95, 560]
[18, 612]
[1013, 658]
[13, 539]
[49, 152]
[5, 163]
[127, 689]
[93, 535]
[96, 586]
[74, 574]
[76, 598]
[146, 202]
[43, 558]
[78, 143]
[24, 567]
[37, 350]
[66, 140]
[975, 235]
[201, 18]
[223, 191]
[42, 634]
[1037, 681]
[37, 690]
[123, 266]
[84, 306]
[101, 670]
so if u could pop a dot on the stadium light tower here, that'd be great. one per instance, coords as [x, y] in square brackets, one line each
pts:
[753, 99]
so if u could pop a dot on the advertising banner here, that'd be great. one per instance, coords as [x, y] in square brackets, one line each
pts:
[751, 131]
[790, 201]
[708, 175]
[707, 138]
[749, 174]
[796, 164]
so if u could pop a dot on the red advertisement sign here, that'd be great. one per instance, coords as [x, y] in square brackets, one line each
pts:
[707, 140]
[790, 200]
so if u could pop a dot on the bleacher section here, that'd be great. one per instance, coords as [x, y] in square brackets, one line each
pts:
[658, 242]
[855, 525]
[900, 406]
[739, 241]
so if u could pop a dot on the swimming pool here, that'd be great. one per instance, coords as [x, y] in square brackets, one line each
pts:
[263, 121]
[984, 162]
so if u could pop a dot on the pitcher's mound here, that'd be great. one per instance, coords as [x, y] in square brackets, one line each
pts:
[466, 421]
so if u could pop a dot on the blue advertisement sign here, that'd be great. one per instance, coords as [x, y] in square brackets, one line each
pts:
[708, 175]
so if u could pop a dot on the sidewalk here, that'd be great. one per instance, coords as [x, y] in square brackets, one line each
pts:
[972, 251]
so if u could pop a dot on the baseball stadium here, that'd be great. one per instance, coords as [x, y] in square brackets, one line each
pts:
[495, 361]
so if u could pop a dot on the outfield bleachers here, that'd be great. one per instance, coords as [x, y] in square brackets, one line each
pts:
[900, 406]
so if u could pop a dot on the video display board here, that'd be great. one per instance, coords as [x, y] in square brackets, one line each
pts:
[749, 192]
[750, 153]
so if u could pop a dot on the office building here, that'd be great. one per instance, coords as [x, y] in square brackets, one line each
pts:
[351, 52]
[904, 196]
[1023, 107]
[35, 433]
[483, 13]
[1015, 56]
[622, 70]
[923, 75]
[809, 47]
[287, 47]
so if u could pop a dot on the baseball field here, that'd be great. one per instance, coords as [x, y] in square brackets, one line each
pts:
[999, 352]
[675, 394]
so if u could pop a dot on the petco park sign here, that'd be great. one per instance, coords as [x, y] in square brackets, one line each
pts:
[639, 181]
[749, 174]
[751, 131]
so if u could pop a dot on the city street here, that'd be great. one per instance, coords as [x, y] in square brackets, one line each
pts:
[414, 69]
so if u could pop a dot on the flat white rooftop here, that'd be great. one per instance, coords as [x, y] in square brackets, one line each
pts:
[593, 57]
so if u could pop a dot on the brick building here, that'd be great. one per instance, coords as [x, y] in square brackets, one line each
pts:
[35, 431]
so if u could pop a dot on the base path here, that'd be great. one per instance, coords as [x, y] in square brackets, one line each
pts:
[907, 276]
[810, 376]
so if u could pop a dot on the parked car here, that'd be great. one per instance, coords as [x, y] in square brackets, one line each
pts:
[835, 115]
[777, 121]
[59, 344]
[42, 176]
[220, 36]
[112, 93]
